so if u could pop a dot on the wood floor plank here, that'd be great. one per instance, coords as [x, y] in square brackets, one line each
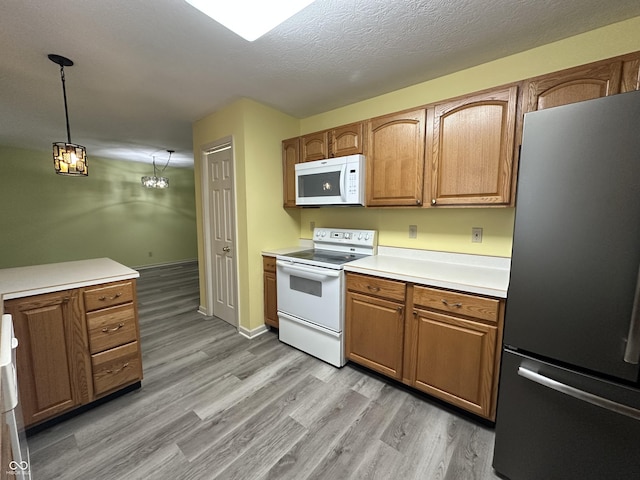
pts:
[216, 405]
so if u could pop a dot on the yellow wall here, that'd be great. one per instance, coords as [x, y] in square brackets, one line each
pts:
[262, 222]
[450, 230]
[258, 131]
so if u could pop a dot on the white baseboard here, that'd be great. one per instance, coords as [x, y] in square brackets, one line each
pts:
[245, 332]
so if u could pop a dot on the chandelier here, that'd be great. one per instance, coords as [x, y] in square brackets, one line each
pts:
[68, 158]
[157, 180]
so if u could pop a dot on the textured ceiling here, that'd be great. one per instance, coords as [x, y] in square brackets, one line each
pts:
[145, 70]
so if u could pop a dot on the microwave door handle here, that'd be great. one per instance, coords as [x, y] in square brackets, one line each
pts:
[343, 182]
[632, 351]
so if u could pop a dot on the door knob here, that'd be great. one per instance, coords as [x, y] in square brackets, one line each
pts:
[226, 249]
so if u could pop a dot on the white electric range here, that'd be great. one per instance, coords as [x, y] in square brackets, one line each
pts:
[311, 291]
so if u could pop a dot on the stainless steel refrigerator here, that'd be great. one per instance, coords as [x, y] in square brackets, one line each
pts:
[569, 395]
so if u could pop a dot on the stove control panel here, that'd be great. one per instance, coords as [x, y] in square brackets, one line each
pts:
[345, 237]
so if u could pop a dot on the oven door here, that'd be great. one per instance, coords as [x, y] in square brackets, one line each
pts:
[311, 293]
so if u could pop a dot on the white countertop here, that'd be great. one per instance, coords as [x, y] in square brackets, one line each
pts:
[480, 274]
[21, 282]
[467, 273]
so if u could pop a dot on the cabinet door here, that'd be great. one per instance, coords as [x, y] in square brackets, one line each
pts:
[54, 367]
[290, 156]
[347, 140]
[630, 73]
[455, 360]
[270, 300]
[315, 146]
[573, 85]
[395, 159]
[374, 330]
[471, 149]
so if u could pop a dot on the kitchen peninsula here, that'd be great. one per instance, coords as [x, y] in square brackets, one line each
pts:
[78, 333]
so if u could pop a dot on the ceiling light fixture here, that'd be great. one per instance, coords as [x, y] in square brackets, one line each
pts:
[250, 18]
[157, 181]
[68, 158]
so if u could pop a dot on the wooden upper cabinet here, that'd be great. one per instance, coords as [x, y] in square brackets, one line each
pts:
[470, 149]
[630, 73]
[395, 159]
[586, 82]
[314, 146]
[290, 156]
[347, 140]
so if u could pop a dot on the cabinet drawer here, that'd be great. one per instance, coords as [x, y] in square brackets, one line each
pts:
[269, 264]
[116, 367]
[458, 303]
[376, 286]
[108, 295]
[111, 327]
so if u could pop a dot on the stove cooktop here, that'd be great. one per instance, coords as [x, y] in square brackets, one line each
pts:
[325, 256]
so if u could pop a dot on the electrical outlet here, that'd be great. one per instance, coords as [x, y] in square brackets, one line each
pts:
[312, 225]
[413, 231]
[476, 235]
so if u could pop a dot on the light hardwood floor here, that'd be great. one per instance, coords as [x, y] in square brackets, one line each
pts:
[215, 405]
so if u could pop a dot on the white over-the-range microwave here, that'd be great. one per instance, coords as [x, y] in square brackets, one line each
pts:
[334, 181]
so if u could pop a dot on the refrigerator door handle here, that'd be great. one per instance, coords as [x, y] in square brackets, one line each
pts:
[579, 394]
[632, 351]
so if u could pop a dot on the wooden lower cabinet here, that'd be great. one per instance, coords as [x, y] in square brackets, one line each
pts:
[442, 342]
[374, 334]
[455, 360]
[54, 366]
[62, 338]
[270, 292]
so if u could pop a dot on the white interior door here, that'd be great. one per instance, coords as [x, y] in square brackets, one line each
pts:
[222, 232]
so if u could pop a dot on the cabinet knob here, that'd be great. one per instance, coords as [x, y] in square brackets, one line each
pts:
[433, 201]
[373, 289]
[400, 309]
[418, 202]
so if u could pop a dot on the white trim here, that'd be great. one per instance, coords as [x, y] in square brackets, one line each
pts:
[205, 150]
[245, 332]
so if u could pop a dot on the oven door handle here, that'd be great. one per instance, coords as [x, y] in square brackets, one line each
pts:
[313, 273]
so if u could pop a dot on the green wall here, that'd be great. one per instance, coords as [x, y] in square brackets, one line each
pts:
[48, 218]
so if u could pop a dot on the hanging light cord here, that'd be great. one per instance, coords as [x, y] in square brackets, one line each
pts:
[165, 165]
[66, 111]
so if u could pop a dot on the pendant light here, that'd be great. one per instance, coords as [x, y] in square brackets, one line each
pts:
[68, 158]
[157, 181]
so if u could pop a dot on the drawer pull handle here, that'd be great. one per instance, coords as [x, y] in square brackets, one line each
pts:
[118, 327]
[104, 297]
[457, 305]
[119, 369]
[373, 289]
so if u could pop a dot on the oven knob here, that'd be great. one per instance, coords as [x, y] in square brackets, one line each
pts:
[347, 236]
[359, 236]
[324, 234]
[366, 237]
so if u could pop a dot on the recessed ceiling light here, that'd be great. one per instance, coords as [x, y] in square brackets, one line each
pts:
[250, 18]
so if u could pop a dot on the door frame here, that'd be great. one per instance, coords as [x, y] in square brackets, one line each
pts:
[209, 277]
